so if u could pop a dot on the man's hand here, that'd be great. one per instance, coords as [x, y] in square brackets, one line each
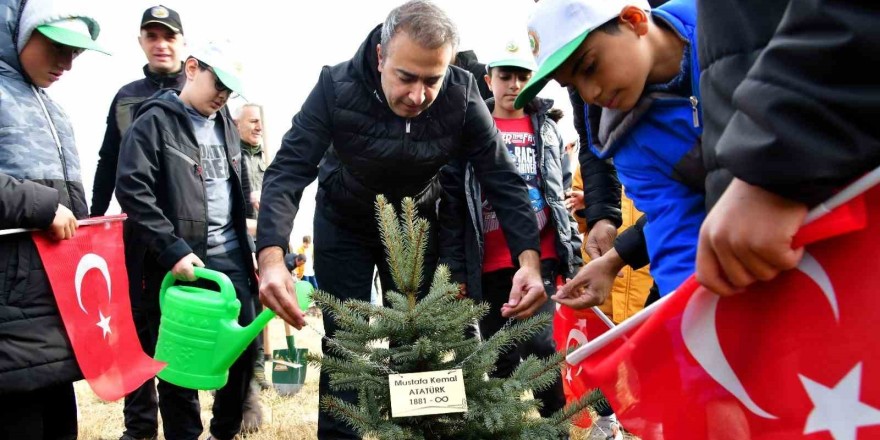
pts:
[574, 201]
[183, 269]
[255, 199]
[592, 284]
[527, 294]
[63, 225]
[277, 290]
[251, 227]
[600, 239]
[747, 237]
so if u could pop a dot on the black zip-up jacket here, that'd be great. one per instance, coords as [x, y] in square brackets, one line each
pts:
[791, 105]
[122, 110]
[161, 188]
[368, 150]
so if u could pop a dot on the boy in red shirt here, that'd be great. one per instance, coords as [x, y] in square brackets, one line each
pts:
[482, 263]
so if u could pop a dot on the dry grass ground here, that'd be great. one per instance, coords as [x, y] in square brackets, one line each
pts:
[285, 418]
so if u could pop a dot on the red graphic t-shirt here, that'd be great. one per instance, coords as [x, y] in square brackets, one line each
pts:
[519, 135]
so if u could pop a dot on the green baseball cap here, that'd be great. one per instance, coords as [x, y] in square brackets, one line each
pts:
[72, 32]
[558, 27]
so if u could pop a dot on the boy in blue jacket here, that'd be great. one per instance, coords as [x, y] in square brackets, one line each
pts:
[641, 66]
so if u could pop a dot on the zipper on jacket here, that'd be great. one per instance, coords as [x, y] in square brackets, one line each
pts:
[696, 113]
[407, 126]
[57, 140]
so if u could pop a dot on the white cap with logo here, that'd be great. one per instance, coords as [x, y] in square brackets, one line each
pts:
[558, 27]
[223, 59]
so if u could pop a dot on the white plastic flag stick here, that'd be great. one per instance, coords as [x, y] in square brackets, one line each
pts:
[861, 185]
[85, 222]
[602, 316]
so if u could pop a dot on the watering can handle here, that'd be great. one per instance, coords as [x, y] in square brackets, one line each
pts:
[227, 290]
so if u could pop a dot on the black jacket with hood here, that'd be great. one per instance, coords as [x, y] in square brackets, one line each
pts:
[791, 104]
[161, 188]
[347, 136]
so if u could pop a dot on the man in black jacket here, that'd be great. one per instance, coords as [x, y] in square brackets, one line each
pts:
[385, 122]
[790, 118]
[161, 39]
[182, 184]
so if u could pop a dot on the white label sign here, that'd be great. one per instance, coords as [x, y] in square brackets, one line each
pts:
[430, 392]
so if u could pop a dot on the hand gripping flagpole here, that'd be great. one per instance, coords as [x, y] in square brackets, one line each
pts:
[84, 222]
[856, 188]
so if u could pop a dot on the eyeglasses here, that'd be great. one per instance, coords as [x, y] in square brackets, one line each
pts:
[218, 85]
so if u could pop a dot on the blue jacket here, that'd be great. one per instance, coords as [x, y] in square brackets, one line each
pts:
[656, 149]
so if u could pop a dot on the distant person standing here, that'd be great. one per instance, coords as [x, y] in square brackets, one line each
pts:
[306, 272]
[249, 120]
[161, 39]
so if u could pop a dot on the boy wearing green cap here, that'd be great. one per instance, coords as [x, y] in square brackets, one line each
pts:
[641, 66]
[40, 188]
[181, 181]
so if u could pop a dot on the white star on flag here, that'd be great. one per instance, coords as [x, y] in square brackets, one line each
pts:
[838, 410]
[104, 323]
[582, 324]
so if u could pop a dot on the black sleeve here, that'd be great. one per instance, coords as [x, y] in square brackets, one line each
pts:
[105, 173]
[295, 166]
[26, 204]
[805, 116]
[631, 245]
[601, 187]
[453, 218]
[499, 179]
[249, 211]
[140, 165]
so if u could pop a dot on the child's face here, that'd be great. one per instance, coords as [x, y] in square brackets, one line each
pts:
[202, 89]
[608, 70]
[506, 85]
[44, 61]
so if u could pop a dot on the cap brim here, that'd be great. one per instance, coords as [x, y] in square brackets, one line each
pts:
[70, 38]
[230, 81]
[174, 29]
[522, 64]
[541, 77]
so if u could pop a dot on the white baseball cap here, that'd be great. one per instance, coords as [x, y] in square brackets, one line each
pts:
[223, 60]
[558, 27]
[515, 52]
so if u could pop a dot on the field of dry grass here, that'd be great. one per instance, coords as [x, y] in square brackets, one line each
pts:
[285, 418]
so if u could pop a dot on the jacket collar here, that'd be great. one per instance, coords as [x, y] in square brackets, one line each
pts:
[166, 80]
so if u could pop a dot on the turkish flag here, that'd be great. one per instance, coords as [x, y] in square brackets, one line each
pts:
[794, 358]
[88, 277]
[573, 328]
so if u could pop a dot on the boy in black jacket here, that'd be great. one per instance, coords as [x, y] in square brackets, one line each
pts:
[180, 182]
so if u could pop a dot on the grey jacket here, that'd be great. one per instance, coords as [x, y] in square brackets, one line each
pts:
[39, 169]
[460, 210]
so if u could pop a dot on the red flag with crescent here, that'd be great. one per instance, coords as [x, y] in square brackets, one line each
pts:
[793, 358]
[573, 328]
[90, 283]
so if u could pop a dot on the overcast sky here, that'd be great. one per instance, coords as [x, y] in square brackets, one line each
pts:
[283, 45]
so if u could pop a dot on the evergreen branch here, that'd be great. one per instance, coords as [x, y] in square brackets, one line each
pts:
[392, 239]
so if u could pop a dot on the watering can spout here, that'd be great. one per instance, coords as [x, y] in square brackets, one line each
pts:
[239, 337]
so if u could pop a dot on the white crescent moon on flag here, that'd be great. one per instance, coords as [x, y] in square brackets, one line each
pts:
[701, 338]
[87, 263]
[701, 335]
[811, 268]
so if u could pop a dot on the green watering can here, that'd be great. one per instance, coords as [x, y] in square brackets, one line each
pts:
[199, 335]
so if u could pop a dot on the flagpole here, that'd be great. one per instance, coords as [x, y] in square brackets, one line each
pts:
[856, 188]
[85, 222]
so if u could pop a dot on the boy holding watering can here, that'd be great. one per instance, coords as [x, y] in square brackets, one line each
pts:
[181, 181]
